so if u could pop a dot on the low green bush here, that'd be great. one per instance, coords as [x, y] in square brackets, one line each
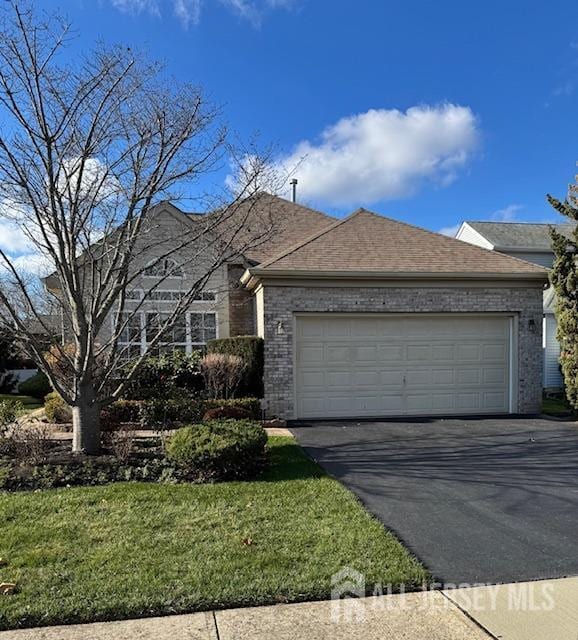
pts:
[37, 386]
[169, 375]
[166, 414]
[126, 410]
[56, 409]
[227, 449]
[9, 410]
[251, 350]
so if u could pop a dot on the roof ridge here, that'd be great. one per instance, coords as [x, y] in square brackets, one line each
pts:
[306, 241]
[536, 224]
[295, 204]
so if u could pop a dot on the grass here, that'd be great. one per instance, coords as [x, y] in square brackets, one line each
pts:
[556, 407]
[29, 403]
[130, 550]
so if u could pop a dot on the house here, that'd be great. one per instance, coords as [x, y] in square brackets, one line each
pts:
[530, 242]
[374, 317]
[363, 316]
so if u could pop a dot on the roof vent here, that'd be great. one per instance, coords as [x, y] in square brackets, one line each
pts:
[293, 183]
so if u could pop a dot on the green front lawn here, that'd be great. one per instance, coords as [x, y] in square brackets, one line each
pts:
[130, 550]
[556, 407]
[29, 403]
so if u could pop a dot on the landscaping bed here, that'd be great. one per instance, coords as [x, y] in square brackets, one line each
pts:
[135, 549]
[208, 452]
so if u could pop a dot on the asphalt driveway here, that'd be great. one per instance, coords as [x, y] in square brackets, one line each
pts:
[477, 500]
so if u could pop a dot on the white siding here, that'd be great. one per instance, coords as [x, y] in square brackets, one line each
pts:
[467, 234]
[552, 376]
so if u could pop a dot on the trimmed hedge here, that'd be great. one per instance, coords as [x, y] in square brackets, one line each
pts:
[156, 414]
[252, 405]
[165, 414]
[37, 386]
[251, 350]
[227, 449]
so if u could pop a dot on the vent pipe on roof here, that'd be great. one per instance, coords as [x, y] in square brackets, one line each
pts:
[293, 183]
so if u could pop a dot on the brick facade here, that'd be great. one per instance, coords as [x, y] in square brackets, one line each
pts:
[241, 304]
[282, 302]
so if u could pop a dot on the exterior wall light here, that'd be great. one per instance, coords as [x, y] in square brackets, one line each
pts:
[280, 328]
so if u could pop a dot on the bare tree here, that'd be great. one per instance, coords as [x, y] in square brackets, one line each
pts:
[87, 152]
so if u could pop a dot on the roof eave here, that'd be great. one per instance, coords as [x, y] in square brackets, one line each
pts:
[254, 276]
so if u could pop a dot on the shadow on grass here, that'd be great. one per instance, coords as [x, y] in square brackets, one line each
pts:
[289, 462]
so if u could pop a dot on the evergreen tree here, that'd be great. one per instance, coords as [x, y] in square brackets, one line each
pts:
[564, 279]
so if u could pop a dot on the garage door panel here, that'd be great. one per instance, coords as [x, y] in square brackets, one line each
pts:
[337, 353]
[418, 352]
[494, 352]
[391, 352]
[410, 365]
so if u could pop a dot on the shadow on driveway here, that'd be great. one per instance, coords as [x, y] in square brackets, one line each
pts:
[477, 500]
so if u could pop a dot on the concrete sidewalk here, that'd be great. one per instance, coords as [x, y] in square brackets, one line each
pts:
[412, 616]
[540, 610]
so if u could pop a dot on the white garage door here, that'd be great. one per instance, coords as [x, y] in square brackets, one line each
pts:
[379, 365]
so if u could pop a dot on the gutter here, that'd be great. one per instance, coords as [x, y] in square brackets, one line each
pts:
[253, 276]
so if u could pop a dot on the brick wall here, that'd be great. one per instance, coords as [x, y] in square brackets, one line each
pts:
[281, 302]
[241, 305]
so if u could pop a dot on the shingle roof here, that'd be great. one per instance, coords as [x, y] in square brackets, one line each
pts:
[289, 223]
[519, 235]
[368, 242]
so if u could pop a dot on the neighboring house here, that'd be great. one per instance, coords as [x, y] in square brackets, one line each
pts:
[367, 317]
[530, 242]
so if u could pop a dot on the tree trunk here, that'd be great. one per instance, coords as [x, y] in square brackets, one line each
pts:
[86, 424]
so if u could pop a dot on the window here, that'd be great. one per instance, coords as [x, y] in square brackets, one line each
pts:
[190, 331]
[167, 267]
[175, 336]
[129, 341]
[203, 328]
[162, 295]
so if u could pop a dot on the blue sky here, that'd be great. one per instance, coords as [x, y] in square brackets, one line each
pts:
[430, 112]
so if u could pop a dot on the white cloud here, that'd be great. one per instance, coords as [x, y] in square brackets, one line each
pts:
[188, 12]
[384, 154]
[507, 214]
[450, 231]
[138, 6]
[13, 240]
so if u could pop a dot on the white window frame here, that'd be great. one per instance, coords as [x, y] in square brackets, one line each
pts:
[142, 295]
[188, 344]
[165, 274]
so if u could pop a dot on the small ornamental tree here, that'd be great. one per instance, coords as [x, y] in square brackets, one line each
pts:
[564, 279]
[90, 150]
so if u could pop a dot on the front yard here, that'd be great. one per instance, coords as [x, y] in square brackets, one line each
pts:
[129, 550]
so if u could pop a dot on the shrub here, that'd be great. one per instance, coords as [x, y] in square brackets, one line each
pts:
[226, 413]
[56, 409]
[222, 374]
[229, 449]
[37, 386]
[9, 411]
[252, 405]
[166, 376]
[126, 410]
[250, 349]
[164, 414]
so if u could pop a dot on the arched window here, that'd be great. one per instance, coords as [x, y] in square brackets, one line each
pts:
[163, 268]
